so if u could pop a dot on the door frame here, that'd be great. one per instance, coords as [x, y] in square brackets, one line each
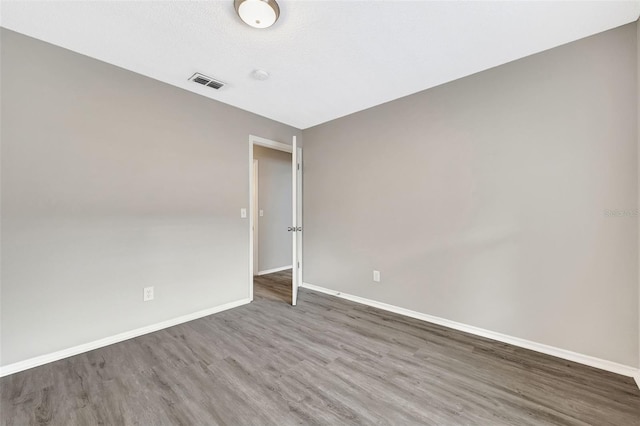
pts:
[256, 222]
[268, 143]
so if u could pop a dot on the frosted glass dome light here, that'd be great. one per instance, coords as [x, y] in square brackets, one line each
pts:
[258, 13]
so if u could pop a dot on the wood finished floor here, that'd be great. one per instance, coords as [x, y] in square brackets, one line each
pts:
[326, 361]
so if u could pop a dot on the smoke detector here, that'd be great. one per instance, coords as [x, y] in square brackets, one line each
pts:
[261, 75]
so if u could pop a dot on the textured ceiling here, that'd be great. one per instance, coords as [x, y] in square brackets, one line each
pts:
[327, 59]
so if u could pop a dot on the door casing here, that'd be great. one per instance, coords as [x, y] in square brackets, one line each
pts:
[253, 141]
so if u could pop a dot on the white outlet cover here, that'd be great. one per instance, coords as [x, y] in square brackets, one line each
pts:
[147, 294]
[376, 276]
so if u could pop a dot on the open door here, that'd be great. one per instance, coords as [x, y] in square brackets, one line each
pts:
[296, 221]
[296, 235]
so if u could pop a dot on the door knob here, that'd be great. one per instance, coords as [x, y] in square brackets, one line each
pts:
[289, 229]
[299, 228]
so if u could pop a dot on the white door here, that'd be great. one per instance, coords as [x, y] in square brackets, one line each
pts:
[296, 235]
[255, 207]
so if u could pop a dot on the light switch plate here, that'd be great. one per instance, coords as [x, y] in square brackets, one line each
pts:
[243, 213]
[261, 212]
[376, 276]
[148, 294]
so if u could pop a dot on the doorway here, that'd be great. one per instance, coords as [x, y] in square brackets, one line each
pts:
[275, 213]
[271, 210]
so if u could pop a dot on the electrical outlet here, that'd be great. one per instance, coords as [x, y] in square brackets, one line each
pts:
[148, 294]
[376, 276]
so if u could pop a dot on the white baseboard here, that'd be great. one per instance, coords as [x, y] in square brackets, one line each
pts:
[271, 271]
[602, 364]
[65, 353]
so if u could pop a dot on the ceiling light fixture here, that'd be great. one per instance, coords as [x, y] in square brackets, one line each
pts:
[258, 13]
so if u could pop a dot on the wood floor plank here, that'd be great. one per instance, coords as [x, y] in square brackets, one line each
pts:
[326, 361]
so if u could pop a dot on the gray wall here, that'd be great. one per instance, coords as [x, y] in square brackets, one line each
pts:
[483, 201]
[274, 198]
[112, 182]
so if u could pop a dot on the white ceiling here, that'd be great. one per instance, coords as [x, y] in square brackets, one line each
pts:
[327, 59]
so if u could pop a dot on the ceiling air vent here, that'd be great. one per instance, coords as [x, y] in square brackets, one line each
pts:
[206, 81]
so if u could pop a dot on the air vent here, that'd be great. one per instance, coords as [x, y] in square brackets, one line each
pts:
[206, 81]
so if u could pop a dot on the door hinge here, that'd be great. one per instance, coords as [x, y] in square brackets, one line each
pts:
[298, 265]
[298, 166]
